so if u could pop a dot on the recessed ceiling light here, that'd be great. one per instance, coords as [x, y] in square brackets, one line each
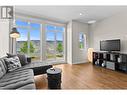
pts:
[80, 14]
[91, 21]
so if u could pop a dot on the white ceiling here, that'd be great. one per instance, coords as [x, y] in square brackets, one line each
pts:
[66, 13]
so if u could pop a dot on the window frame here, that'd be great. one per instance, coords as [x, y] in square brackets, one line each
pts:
[55, 45]
[29, 28]
[43, 24]
[82, 40]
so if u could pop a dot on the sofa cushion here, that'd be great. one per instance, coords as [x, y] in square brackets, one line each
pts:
[18, 80]
[13, 63]
[2, 59]
[22, 58]
[38, 67]
[28, 86]
[3, 69]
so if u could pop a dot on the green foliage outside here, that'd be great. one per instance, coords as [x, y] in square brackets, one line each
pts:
[81, 45]
[24, 49]
[60, 47]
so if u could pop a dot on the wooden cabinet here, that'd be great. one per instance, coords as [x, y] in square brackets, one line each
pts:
[114, 61]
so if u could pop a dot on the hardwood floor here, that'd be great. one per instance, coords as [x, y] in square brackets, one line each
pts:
[86, 76]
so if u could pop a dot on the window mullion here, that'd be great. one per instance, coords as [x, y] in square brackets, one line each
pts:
[28, 38]
[55, 45]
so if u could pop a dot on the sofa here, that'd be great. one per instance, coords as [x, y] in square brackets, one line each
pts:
[23, 77]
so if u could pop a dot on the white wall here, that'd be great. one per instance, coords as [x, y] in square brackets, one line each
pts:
[114, 27]
[4, 37]
[74, 53]
[79, 56]
[69, 42]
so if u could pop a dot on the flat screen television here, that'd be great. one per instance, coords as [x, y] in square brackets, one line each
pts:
[110, 45]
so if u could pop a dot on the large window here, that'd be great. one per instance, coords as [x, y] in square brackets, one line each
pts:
[29, 41]
[41, 42]
[54, 42]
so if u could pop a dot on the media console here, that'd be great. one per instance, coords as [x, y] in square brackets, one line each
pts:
[113, 61]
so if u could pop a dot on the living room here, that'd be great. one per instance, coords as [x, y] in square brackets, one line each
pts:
[72, 40]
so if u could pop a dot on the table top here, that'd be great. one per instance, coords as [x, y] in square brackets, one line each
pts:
[54, 71]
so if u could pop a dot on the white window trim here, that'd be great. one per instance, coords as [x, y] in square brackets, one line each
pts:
[28, 18]
[28, 38]
[43, 42]
[64, 46]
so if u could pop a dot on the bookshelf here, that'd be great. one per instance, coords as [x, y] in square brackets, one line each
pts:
[113, 61]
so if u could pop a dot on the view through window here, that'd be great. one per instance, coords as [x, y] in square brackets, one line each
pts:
[54, 42]
[82, 40]
[29, 41]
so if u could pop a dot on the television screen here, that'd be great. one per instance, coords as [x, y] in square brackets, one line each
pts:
[110, 45]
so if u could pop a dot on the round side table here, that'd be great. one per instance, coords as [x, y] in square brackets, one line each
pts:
[54, 78]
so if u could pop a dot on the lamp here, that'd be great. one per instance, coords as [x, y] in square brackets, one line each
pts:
[90, 51]
[14, 33]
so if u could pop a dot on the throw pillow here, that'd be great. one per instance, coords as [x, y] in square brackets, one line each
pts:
[13, 63]
[22, 58]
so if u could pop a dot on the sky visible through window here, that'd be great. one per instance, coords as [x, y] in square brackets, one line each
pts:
[81, 37]
[34, 28]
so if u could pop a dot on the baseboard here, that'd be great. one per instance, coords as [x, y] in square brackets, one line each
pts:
[81, 62]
